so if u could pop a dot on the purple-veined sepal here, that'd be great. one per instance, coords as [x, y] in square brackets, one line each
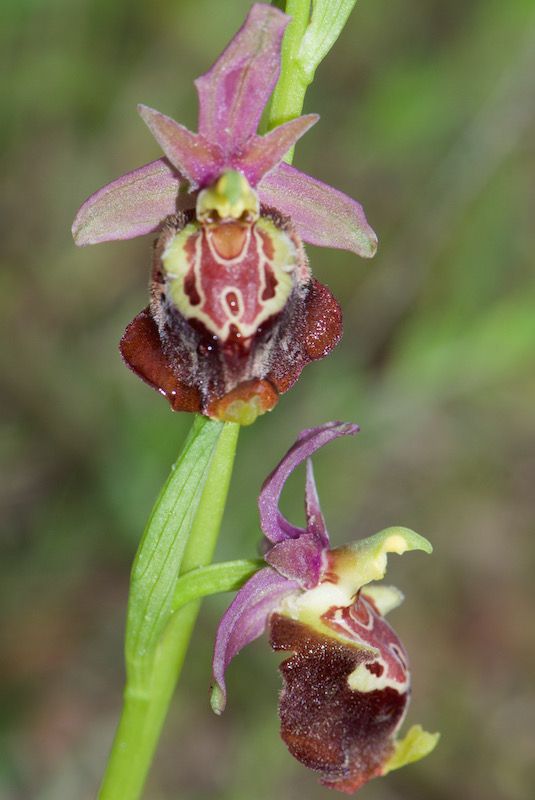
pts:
[132, 205]
[243, 622]
[274, 524]
[323, 216]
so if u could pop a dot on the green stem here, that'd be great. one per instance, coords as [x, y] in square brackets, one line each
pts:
[314, 28]
[289, 95]
[146, 704]
[163, 609]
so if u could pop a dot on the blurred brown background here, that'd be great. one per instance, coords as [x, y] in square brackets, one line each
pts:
[428, 117]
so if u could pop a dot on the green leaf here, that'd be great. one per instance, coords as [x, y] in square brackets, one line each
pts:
[181, 535]
[157, 564]
[227, 576]
[326, 25]
[308, 39]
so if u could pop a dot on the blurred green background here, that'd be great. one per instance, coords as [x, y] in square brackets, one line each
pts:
[428, 117]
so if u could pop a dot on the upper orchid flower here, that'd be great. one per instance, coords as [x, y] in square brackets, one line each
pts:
[347, 684]
[235, 314]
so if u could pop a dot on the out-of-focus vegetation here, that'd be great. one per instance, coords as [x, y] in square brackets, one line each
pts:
[428, 117]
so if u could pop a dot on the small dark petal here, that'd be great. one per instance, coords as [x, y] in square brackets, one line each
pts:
[142, 351]
[344, 734]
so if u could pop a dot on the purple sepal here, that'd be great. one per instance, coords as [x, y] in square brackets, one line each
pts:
[234, 92]
[299, 559]
[243, 622]
[273, 523]
[322, 215]
[132, 205]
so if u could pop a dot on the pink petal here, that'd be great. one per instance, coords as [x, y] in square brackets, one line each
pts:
[322, 215]
[195, 158]
[263, 153]
[234, 92]
[243, 622]
[273, 523]
[131, 205]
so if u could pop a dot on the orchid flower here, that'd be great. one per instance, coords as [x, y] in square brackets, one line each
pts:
[235, 314]
[347, 682]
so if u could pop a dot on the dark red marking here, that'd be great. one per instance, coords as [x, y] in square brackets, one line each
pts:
[369, 627]
[215, 277]
[232, 303]
[271, 283]
[375, 668]
[359, 612]
[190, 288]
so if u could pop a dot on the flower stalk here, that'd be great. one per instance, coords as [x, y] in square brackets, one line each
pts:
[191, 505]
[172, 570]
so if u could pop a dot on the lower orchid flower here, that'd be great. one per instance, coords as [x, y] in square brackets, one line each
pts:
[347, 682]
[235, 314]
